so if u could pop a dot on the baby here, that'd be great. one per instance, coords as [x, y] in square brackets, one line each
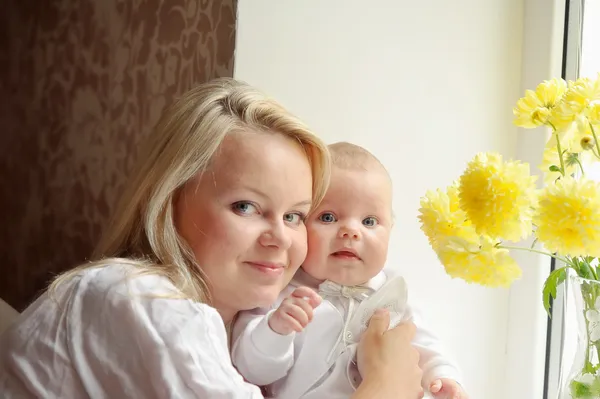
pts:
[305, 347]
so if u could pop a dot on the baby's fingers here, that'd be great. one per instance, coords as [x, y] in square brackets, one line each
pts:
[291, 322]
[307, 294]
[436, 386]
[300, 311]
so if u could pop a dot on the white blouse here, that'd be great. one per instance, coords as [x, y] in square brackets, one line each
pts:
[108, 334]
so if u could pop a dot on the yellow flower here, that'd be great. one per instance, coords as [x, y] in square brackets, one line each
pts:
[461, 250]
[593, 112]
[568, 217]
[587, 143]
[479, 262]
[441, 217]
[498, 196]
[581, 136]
[580, 98]
[536, 108]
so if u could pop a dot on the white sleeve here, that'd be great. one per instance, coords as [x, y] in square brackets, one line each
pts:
[129, 343]
[434, 361]
[260, 354]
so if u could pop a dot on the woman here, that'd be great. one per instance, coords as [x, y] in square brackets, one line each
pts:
[211, 223]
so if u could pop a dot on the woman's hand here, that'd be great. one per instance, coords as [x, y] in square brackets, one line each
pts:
[387, 361]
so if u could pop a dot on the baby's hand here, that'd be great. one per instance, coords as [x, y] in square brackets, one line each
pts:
[295, 312]
[447, 389]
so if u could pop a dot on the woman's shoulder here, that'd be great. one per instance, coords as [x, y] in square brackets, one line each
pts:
[146, 307]
[123, 294]
[112, 318]
[124, 281]
[117, 278]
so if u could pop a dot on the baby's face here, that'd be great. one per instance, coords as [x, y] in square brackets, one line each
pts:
[348, 234]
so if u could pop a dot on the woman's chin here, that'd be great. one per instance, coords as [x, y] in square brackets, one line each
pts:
[262, 299]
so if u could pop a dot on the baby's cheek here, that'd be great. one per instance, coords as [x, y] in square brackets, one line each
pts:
[316, 243]
[299, 249]
[382, 252]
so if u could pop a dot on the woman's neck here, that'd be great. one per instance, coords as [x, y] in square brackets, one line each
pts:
[228, 317]
[226, 314]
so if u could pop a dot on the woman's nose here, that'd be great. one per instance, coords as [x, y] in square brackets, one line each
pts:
[276, 236]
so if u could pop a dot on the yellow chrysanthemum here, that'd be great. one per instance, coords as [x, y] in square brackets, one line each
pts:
[568, 217]
[580, 139]
[441, 217]
[498, 196]
[479, 262]
[593, 113]
[571, 139]
[579, 99]
[536, 108]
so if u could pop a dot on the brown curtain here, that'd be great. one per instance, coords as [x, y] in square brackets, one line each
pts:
[82, 82]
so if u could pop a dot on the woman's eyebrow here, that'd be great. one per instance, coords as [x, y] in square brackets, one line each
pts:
[307, 202]
[303, 203]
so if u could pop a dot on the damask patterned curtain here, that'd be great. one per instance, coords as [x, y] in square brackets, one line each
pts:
[82, 82]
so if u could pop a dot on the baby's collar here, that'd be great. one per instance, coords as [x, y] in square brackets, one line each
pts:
[301, 278]
[377, 282]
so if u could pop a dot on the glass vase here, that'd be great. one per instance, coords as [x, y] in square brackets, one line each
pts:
[583, 378]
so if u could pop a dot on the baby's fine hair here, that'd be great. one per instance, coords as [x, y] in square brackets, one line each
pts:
[346, 155]
[350, 156]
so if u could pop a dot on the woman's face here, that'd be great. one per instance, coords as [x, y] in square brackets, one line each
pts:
[244, 218]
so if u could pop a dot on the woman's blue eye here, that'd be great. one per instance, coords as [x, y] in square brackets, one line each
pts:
[294, 218]
[370, 221]
[244, 208]
[327, 217]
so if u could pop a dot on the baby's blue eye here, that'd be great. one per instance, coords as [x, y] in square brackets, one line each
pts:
[327, 217]
[370, 221]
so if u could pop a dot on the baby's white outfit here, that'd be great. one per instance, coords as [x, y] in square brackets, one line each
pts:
[320, 362]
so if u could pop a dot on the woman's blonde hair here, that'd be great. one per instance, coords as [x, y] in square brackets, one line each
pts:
[142, 231]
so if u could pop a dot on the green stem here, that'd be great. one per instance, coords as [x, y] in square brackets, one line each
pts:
[560, 154]
[580, 165]
[566, 261]
[584, 265]
[597, 343]
[559, 149]
[589, 294]
[588, 362]
[595, 138]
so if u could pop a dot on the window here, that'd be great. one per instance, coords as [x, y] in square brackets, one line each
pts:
[581, 59]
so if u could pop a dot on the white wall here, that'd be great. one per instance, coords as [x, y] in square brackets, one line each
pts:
[423, 85]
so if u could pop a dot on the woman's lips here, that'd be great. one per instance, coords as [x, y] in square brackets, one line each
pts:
[268, 268]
